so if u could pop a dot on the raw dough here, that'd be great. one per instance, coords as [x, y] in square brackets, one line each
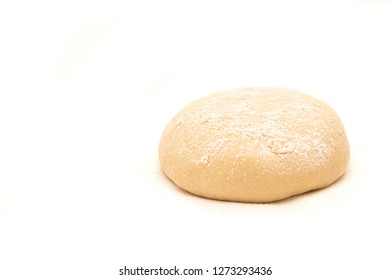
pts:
[254, 145]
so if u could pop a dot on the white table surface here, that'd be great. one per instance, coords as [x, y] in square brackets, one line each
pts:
[86, 89]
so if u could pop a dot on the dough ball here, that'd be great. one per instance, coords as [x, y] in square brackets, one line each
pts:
[254, 145]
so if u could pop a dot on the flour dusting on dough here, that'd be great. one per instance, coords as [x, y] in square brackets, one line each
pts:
[266, 129]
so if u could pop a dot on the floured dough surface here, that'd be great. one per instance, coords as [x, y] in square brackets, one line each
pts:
[254, 145]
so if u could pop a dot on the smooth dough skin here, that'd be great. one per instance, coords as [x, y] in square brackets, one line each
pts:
[254, 145]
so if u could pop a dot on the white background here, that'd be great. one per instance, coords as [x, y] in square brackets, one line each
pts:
[86, 88]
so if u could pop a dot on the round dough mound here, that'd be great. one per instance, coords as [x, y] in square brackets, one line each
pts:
[254, 145]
